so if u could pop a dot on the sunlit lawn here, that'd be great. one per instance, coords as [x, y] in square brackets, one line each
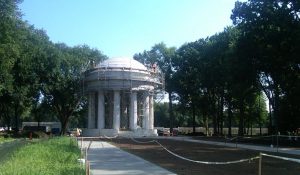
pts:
[48, 157]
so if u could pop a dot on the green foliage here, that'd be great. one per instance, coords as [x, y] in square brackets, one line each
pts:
[161, 114]
[63, 88]
[53, 156]
[9, 48]
[270, 42]
[217, 81]
[39, 80]
[221, 78]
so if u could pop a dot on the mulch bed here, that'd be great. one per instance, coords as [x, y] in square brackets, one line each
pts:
[196, 151]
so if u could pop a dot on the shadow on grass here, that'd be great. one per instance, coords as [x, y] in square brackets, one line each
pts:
[7, 148]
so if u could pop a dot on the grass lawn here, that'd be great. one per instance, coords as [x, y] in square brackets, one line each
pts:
[2, 139]
[48, 157]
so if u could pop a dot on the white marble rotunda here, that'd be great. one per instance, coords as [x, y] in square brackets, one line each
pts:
[120, 98]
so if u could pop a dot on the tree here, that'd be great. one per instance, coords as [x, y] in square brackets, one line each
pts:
[20, 45]
[187, 67]
[270, 42]
[37, 75]
[63, 88]
[9, 44]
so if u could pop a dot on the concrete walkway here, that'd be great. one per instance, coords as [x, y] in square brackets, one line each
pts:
[109, 160]
[244, 146]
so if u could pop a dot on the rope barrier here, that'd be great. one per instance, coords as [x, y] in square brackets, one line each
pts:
[151, 141]
[113, 137]
[206, 162]
[289, 136]
[90, 143]
[230, 139]
[197, 161]
[282, 158]
[257, 137]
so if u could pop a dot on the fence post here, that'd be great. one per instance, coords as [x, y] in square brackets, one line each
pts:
[259, 164]
[277, 143]
[87, 168]
[86, 154]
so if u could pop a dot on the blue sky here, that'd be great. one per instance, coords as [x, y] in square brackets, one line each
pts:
[126, 27]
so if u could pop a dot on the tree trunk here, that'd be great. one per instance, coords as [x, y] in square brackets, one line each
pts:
[205, 122]
[214, 113]
[276, 108]
[7, 118]
[194, 117]
[64, 123]
[218, 116]
[248, 125]
[260, 126]
[221, 114]
[16, 129]
[229, 119]
[171, 112]
[206, 125]
[251, 127]
[241, 119]
[270, 119]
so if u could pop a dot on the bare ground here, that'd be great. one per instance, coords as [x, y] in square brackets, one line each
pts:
[196, 151]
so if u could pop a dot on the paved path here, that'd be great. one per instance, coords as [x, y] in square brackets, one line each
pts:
[109, 160]
[245, 146]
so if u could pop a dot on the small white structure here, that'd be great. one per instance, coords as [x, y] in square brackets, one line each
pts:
[120, 97]
[52, 126]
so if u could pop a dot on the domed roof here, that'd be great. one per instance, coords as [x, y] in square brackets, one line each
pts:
[122, 62]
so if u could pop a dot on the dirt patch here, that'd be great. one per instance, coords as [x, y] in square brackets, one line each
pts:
[196, 151]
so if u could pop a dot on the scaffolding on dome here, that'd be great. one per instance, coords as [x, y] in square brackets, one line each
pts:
[152, 76]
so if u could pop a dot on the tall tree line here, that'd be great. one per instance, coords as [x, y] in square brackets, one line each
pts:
[222, 80]
[39, 79]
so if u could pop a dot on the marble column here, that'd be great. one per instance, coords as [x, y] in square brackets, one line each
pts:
[133, 111]
[116, 113]
[146, 111]
[101, 110]
[151, 112]
[91, 111]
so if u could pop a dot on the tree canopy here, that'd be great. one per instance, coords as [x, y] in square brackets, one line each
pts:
[220, 81]
[37, 74]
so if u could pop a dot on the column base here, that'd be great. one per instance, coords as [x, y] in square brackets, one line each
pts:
[140, 132]
[90, 132]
